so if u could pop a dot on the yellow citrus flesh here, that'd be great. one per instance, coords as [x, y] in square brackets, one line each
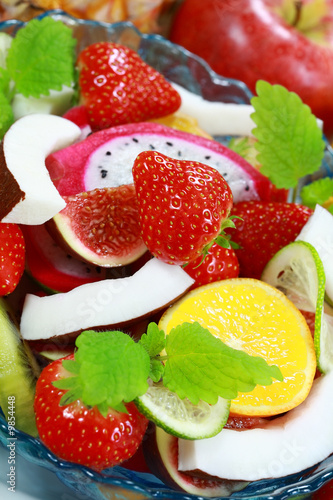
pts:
[181, 121]
[257, 318]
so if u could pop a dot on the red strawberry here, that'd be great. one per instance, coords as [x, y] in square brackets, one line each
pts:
[219, 264]
[182, 205]
[80, 434]
[12, 257]
[264, 229]
[118, 87]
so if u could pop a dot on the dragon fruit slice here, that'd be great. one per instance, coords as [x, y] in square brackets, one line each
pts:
[105, 159]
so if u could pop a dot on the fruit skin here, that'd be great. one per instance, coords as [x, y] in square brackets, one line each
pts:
[51, 267]
[182, 205]
[219, 264]
[118, 87]
[83, 435]
[262, 230]
[247, 40]
[12, 257]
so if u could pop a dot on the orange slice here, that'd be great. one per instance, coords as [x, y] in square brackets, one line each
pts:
[181, 121]
[253, 316]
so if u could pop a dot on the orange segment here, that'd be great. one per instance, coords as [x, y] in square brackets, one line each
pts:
[253, 316]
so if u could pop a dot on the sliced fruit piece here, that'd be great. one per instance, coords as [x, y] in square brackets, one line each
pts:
[27, 194]
[288, 444]
[217, 118]
[298, 272]
[319, 232]
[115, 302]
[180, 417]
[55, 103]
[18, 375]
[100, 226]
[105, 159]
[182, 121]
[253, 316]
[161, 454]
[53, 268]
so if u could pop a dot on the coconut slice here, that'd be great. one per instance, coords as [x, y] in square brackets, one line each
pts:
[288, 444]
[27, 194]
[112, 302]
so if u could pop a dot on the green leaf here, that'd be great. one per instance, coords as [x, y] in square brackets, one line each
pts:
[154, 340]
[113, 368]
[318, 191]
[290, 143]
[156, 370]
[110, 368]
[6, 115]
[41, 57]
[201, 366]
[71, 366]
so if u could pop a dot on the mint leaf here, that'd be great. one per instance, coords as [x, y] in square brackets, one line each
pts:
[318, 191]
[6, 115]
[154, 342]
[110, 368]
[41, 57]
[290, 143]
[201, 366]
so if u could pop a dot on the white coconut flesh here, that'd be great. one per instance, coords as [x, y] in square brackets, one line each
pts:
[111, 164]
[105, 303]
[219, 118]
[25, 147]
[319, 232]
[288, 444]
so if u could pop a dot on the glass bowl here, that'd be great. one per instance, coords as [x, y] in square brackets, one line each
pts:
[183, 68]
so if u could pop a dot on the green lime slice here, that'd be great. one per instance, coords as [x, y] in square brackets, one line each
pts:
[18, 374]
[298, 272]
[180, 417]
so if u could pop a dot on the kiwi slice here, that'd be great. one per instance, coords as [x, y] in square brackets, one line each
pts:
[18, 373]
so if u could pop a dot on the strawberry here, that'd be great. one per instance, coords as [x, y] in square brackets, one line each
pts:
[219, 264]
[82, 434]
[182, 205]
[264, 228]
[118, 87]
[12, 257]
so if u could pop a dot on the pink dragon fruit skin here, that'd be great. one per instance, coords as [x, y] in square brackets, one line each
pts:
[105, 158]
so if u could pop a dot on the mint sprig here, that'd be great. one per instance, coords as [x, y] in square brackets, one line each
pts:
[201, 366]
[290, 143]
[110, 368]
[319, 191]
[41, 57]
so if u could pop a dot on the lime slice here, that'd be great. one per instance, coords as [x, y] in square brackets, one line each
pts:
[180, 417]
[298, 272]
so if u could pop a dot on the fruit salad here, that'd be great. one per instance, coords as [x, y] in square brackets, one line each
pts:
[165, 295]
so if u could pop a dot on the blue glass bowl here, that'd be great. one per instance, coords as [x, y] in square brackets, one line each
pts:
[191, 72]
